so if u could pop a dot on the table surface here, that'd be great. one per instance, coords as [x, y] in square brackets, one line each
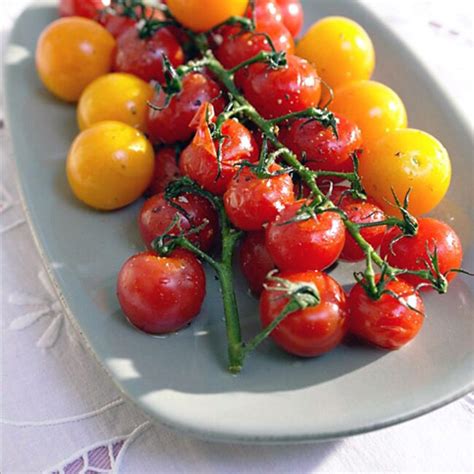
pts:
[59, 412]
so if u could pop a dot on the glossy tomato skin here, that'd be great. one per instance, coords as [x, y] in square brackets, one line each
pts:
[251, 202]
[276, 92]
[171, 124]
[360, 212]
[314, 330]
[410, 252]
[85, 8]
[71, 52]
[161, 294]
[166, 170]
[387, 322]
[199, 160]
[292, 15]
[312, 244]
[237, 46]
[144, 57]
[255, 261]
[320, 146]
[265, 11]
[157, 214]
[403, 160]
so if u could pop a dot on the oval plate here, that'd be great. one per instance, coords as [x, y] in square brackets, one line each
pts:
[181, 380]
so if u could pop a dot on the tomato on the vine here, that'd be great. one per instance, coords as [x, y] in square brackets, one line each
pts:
[276, 92]
[157, 216]
[71, 53]
[319, 146]
[143, 57]
[412, 252]
[166, 170]
[255, 261]
[373, 107]
[390, 321]
[161, 294]
[117, 24]
[199, 160]
[406, 160]
[85, 8]
[265, 11]
[292, 15]
[299, 242]
[171, 123]
[250, 201]
[312, 331]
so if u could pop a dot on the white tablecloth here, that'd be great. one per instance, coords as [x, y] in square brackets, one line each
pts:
[61, 413]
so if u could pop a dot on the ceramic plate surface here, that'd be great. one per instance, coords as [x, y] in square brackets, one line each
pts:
[181, 380]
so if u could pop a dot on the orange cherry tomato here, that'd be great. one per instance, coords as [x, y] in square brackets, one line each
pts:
[374, 107]
[110, 165]
[202, 15]
[71, 53]
[115, 96]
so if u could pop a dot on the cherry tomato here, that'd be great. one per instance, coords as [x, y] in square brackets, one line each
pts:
[276, 92]
[71, 53]
[292, 13]
[255, 261]
[319, 146]
[166, 170]
[109, 165]
[389, 322]
[237, 46]
[157, 214]
[115, 96]
[360, 212]
[143, 57]
[251, 202]
[312, 331]
[85, 8]
[199, 159]
[374, 108]
[405, 160]
[340, 49]
[265, 11]
[171, 124]
[202, 16]
[310, 244]
[411, 252]
[161, 294]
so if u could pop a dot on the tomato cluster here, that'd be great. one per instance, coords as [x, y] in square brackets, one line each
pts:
[279, 149]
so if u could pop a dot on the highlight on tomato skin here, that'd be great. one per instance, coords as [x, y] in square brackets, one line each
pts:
[312, 331]
[292, 15]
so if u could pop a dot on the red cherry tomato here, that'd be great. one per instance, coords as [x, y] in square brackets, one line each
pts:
[86, 8]
[171, 124]
[311, 244]
[320, 146]
[237, 46]
[255, 261]
[161, 294]
[292, 12]
[265, 10]
[389, 322]
[144, 57]
[199, 159]
[117, 24]
[276, 92]
[411, 252]
[314, 330]
[360, 212]
[251, 202]
[166, 170]
[157, 214]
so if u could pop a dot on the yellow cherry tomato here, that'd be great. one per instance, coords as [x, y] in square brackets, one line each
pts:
[109, 165]
[202, 15]
[72, 52]
[405, 160]
[374, 107]
[116, 96]
[340, 49]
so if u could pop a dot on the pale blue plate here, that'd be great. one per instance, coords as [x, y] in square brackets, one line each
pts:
[181, 380]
